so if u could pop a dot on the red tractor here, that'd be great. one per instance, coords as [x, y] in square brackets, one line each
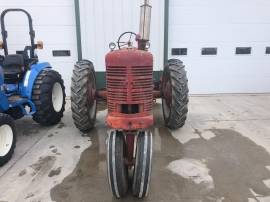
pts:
[130, 94]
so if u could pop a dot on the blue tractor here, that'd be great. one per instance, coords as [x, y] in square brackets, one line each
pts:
[27, 88]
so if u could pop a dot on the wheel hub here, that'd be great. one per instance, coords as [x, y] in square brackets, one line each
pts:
[6, 139]
[57, 97]
[167, 96]
[91, 92]
[91, 97]
[167, 92]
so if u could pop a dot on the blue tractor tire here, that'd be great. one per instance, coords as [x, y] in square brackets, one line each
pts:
[48, 95]
[7, 138]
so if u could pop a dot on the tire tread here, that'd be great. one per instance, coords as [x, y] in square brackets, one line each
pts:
[45, 114]
[180, 92]
[79, 102]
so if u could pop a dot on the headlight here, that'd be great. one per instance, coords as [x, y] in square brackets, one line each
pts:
[112, 46]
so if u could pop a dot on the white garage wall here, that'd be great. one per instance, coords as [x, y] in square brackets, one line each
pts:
[225, 24]
[102, 22]
[194, 24]
[54, 23]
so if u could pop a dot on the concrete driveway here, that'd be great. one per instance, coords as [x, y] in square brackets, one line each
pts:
[222, 154]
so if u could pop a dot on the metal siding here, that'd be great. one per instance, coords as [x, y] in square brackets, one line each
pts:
[103, 21]
[224, 24]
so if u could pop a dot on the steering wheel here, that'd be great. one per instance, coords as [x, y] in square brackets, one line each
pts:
[28, 61]
[128, 41]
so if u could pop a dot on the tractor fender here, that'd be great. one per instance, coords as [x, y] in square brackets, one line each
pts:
[4, 105]
[3, 98]
[30, 77]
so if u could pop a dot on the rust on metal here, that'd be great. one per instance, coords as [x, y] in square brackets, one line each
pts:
[129, 85]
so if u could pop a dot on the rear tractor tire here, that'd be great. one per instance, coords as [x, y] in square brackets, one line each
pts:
[7, 138]
[175, 94]
[83, 99]
[49, 97]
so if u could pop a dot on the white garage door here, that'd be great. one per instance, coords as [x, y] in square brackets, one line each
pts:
[221, 27]
[102, 22]
[54, 23]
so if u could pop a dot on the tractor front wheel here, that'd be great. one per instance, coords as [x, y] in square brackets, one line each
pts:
[116, 167]
[49, 97]
[174, 94]
[143, 164]
[7, 138]
[83, 99]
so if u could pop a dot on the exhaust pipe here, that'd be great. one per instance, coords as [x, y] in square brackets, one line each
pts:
[145, 23]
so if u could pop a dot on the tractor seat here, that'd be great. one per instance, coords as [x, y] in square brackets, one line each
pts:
[13, 68]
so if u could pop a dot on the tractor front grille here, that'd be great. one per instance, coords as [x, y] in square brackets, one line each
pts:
[129, 85]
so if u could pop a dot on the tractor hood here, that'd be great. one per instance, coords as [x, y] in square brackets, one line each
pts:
[129, 57]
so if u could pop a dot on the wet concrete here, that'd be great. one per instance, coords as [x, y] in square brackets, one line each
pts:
[102, 105]
[237, 167]
[55, 172]
[43, 164]
[88, 182]
[236, 164]
[221, 154]
[43, 157]
[22, 173]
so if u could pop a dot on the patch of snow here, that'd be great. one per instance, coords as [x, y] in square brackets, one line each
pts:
[184, 135]
[267, 183]
[194, 170]
[259, 197]
[220, 199]
[252, 200]
[208, 135]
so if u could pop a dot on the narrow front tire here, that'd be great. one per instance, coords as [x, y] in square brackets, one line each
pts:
[116, 167]
[143, 164]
